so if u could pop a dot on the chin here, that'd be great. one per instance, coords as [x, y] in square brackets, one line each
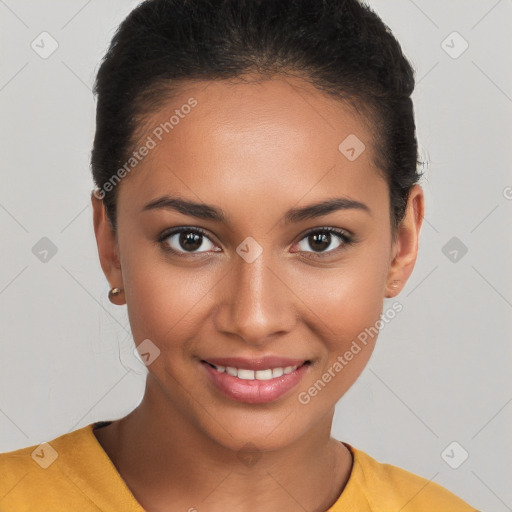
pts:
[262, 430]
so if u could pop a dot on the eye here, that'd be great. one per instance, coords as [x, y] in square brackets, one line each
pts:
[187, 240]
[321, 239]
[183, 241]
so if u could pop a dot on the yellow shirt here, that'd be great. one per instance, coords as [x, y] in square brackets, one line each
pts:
[72, 473]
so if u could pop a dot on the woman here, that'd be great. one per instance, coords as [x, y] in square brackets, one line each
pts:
[258, 198]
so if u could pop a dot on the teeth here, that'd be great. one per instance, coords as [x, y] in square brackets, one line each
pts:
[263, 374]
[277, 372]
[245, 374]
[231, 371]
[270, 373]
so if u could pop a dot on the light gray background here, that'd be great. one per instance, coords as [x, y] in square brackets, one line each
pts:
[441, 369]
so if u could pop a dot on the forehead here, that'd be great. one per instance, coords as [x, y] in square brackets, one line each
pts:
[229, 139]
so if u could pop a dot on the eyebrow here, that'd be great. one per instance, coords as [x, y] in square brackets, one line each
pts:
[210, 212]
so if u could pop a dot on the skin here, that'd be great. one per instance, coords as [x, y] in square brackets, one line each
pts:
[255, 150]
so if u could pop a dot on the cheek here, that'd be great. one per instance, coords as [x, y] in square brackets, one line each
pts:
[163, 300]
[349, 298]
[347, 302]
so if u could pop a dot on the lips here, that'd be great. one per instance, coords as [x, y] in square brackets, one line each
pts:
[255, 381]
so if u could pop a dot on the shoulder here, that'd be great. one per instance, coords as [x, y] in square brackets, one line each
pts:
[387, 487]
[26, 472]
[37, 475]
[14, 466]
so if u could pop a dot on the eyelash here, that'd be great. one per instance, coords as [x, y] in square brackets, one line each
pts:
[343, 235]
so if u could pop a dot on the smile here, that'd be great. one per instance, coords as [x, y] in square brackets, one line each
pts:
[244, 374]
[254, 386]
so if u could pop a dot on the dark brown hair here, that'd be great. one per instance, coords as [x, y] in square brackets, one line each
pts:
[340, 46]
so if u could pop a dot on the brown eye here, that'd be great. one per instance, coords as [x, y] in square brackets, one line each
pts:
[324, 240]
[186, 241]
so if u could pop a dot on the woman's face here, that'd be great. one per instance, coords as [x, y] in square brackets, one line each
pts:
[260, 281]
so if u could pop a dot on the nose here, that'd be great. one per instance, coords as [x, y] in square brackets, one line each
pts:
[256, 304]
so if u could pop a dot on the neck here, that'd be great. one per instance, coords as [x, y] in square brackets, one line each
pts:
[170, 463]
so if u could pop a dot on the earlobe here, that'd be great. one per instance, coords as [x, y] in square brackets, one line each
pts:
[406, 245]
[108, 250]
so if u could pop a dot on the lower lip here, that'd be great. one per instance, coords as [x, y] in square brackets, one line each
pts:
[254, 391]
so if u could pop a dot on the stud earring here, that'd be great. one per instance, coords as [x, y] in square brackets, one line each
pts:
[113, 293]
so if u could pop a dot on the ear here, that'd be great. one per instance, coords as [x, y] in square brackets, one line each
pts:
[108, 249]
[405, 247]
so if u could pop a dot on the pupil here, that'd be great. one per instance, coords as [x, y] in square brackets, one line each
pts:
[323, 239]
[190, 240]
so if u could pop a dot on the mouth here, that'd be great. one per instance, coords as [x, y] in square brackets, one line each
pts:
[258, 374]
[262, 382]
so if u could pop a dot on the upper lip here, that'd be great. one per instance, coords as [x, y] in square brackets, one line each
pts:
[261, 363]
